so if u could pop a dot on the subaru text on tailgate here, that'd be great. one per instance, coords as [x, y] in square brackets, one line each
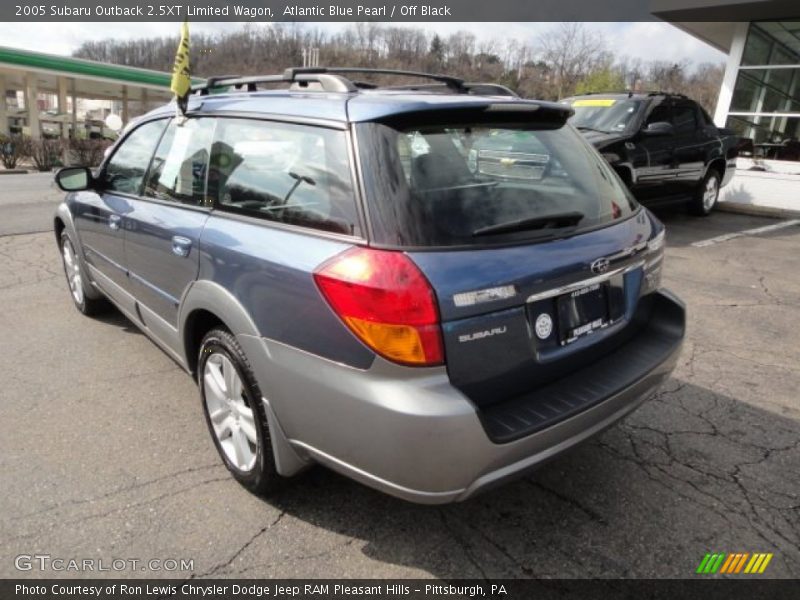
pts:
[352, 283]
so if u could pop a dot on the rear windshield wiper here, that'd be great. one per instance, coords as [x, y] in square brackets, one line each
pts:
[553, 221]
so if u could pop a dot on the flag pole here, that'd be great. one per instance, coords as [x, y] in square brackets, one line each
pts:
[181, 74]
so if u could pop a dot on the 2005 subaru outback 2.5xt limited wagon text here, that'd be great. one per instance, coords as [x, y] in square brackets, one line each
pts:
[354, 284]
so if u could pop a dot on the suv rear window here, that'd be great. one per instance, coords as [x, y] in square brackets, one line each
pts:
[485, 183]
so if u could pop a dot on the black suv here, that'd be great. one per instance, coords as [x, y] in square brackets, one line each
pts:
[665, 147]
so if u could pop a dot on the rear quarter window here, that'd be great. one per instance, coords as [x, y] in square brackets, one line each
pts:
[471, 184]
[286, 173]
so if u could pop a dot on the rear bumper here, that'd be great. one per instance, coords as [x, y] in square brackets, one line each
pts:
[409, 433]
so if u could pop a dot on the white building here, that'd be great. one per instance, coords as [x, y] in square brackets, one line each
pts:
[760, 94]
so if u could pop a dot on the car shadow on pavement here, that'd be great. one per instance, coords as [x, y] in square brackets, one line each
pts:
[115, 318]
[691, 471]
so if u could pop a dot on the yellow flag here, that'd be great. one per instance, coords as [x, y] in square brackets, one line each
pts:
[181, 73]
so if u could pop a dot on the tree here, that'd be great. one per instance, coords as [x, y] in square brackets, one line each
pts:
[436, 51]
[572, 52]
[604, 80]
[567, 58]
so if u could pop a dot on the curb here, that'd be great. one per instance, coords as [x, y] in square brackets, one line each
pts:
[757, 211]
[12, 171]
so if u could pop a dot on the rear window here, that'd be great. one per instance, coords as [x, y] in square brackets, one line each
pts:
[479, 184]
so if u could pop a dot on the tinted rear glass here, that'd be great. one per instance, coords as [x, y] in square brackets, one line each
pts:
[607, 115]
[484, 183]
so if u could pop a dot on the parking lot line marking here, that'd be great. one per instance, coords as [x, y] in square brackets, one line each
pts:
[737, 234]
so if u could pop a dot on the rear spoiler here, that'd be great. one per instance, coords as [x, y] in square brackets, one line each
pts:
[548, 115]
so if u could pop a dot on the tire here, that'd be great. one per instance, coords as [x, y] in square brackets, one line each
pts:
[239, 428]
[706, 195]
[80, 292]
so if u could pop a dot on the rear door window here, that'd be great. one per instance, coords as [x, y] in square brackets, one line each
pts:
[484, 183]
[684, 118]
[287, 173]
[660, 114]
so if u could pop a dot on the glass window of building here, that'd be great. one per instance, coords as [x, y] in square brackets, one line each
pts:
[765, 107]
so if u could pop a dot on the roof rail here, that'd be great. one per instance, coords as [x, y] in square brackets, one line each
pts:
[661, 93]
[632, 92]
[328, 82]
[331, 79]
[454, 83]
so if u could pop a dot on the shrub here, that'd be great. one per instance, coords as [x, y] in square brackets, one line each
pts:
[13, 149]
[87, 152]
[45, 153]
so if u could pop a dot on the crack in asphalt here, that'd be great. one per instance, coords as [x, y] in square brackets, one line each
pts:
[462, 543]
[302, 558]
[589, 512]
[765, 530]
[127, 507]
[118, 491]
[525, 569]
[767, 291]
[223, 565]
[728, 352]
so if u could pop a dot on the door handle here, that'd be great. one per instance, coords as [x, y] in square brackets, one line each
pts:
[114, 221]
[181, 245]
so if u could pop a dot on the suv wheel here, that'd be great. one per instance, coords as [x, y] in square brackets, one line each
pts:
[234, 412]
[706, 196]
[77, 282]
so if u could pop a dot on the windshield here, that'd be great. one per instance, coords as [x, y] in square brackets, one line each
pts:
[484, 183]
[604, 114]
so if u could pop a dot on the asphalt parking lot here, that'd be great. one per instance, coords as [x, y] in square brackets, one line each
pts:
[104, 452]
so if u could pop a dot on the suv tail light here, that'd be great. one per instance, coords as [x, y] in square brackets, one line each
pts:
[386, 301]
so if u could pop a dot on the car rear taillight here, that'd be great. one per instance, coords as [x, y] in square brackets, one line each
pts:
[386, 301]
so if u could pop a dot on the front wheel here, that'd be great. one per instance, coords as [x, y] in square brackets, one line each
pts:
[706, 195]
[234, 412]
[77, 282]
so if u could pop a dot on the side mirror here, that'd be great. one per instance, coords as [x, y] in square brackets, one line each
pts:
[74, 179]
[659, 128]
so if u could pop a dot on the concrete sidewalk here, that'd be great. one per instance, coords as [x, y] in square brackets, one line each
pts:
[768, 188]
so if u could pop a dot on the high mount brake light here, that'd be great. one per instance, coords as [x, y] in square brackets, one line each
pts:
[386, 301]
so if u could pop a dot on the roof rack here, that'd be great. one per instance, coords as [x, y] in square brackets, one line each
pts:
[329, 83]
[632, 92]
[330, 79]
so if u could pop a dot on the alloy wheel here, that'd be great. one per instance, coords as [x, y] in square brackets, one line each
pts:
[710, 193]
[231, 416]
[73, 271]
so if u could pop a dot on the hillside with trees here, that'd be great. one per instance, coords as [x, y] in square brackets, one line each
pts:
[569, 58]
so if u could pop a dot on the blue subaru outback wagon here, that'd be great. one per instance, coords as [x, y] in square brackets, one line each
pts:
[375, 278]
